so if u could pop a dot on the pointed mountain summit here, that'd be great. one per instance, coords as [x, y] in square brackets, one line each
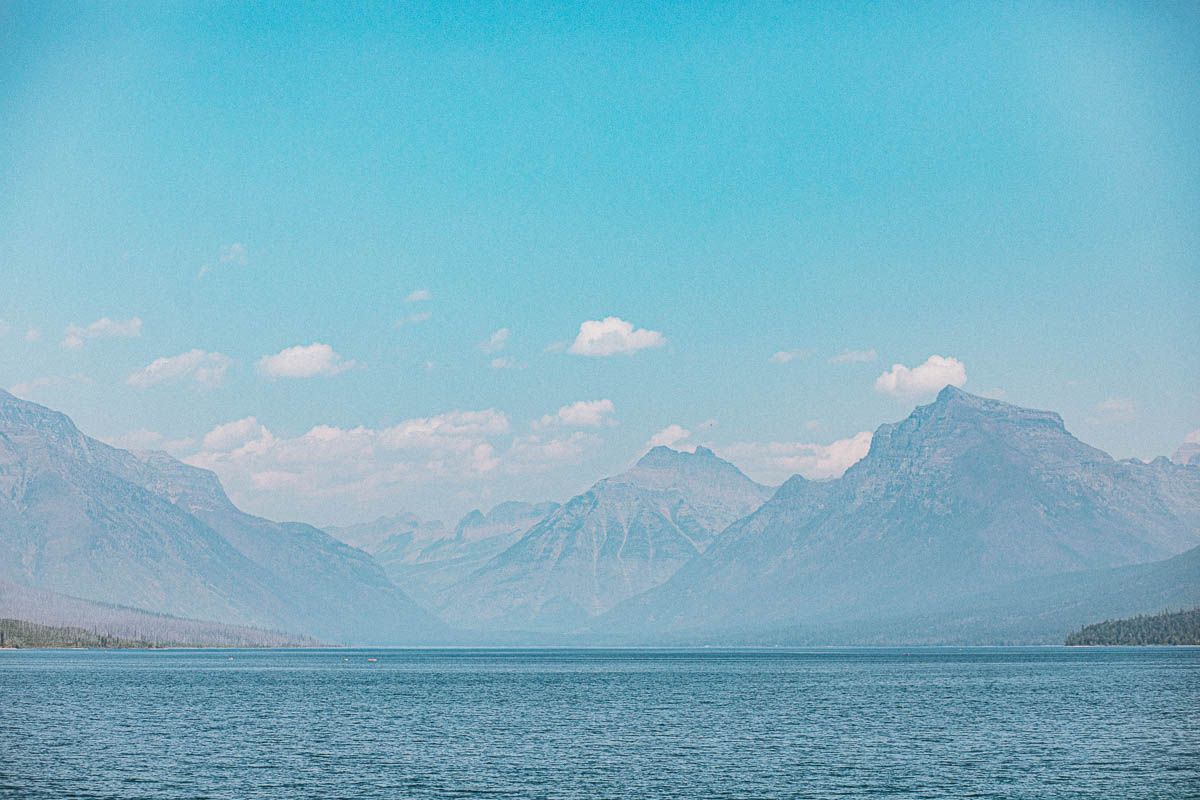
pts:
[965, 494]
[142, 529]
[626, 534]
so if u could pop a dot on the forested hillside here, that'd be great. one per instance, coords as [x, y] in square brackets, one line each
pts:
[1180, 627]
[19, 633]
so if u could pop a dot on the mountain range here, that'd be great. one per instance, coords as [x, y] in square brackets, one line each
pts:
[965, 495]
[970, 521]
[144, 530]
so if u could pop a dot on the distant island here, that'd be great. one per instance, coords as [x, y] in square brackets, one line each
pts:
[1178, 628]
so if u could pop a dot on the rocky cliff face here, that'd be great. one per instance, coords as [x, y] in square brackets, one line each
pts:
[966, 493]
[145, 530]
[626, 534]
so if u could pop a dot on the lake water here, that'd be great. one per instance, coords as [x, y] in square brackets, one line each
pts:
[1003, 723]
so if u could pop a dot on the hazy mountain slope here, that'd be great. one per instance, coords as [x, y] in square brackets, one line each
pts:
[145, 530]
[965, 494]
[389, 531]
[18, 601]
[431, 570]
[1037, 610]
[626, 534]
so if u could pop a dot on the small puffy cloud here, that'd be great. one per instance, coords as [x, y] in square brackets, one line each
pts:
[581, 414]
[502, 363]
[103, 328]
[232, 435]
[32, 335]
[419, 296]
[854, 357]
[775, 462]
[1113, 411]
[149, 440]
[1193, 437]
[495, 342]
[925, 379]
[611, 336]
[32, 387]
[668, 437]
[413, 319]
[784, 356]
[197, 365]
[304, 361]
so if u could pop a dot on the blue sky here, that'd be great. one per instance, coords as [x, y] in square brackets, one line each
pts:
[1015, 187]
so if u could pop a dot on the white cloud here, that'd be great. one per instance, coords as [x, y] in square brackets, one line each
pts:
[1113, 411]
[495, 342]
[103, 328]
[611, 336]
[418, 296]
[150, 440]
[668, 437]
[535, 454]
[502, 363]
[854, 357]
[32, 387]
[32, 335]
[413, 319]
[774, 462]
[925, 379]
[364, 466]
[201, 367]
[784, 356]
[581, 414]
[235, 253]
[1193, 437]
[304, 361]
[232, 435]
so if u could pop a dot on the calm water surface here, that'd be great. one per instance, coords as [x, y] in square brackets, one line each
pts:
[1003, 723]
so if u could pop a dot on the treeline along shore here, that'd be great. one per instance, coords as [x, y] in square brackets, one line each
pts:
[1168, 628]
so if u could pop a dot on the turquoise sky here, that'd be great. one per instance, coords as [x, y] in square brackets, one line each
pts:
[1013, 186]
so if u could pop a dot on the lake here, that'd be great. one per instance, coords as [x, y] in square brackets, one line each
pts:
[917, 723]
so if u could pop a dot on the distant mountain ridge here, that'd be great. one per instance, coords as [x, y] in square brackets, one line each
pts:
[146, 530]
[429, 560]
[626, 534]
[965, 494]
[970, 521]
